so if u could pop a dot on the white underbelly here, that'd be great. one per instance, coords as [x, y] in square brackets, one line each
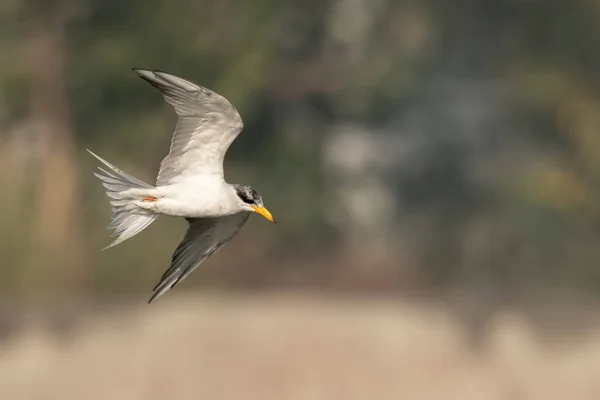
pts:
[195, 201]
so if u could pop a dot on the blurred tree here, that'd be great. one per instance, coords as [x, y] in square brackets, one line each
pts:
[455, 142]
[57, 244]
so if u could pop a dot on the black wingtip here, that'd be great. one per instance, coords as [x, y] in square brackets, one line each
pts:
[141, 71]
[147, 75]
[152, 298]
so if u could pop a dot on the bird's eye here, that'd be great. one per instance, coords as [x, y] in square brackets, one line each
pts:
[248, 200]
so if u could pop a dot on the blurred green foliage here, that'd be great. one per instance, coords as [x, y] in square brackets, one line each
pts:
[502, 191]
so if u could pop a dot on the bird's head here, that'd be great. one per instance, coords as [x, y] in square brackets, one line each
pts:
[252, 201]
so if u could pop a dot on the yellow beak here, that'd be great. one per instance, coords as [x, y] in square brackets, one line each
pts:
[264, 212]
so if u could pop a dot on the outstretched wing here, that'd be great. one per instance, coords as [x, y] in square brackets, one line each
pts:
[204, 237]
[206, 127]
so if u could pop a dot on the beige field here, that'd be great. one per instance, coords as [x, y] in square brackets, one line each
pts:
[280, 347]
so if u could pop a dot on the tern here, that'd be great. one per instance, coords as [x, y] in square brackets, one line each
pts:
[190, 181]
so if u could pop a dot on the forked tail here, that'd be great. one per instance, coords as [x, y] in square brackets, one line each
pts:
[127, 219]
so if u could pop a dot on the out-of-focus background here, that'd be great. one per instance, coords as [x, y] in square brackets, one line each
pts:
[434, 168]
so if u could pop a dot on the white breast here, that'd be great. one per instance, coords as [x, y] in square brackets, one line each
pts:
[209, 198]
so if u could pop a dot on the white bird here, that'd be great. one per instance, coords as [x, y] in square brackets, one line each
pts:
[190, 182]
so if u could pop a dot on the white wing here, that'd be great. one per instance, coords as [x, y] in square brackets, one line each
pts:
[207, 126]
[204, 237]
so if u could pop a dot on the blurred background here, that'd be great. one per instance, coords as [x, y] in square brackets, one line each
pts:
[434, 168]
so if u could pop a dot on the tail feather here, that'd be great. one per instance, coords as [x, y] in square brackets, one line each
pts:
[127, 219]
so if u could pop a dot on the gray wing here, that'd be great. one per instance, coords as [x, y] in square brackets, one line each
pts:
[204, 237]
[206, 127]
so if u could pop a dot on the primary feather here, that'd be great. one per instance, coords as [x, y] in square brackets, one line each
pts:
[204, 237]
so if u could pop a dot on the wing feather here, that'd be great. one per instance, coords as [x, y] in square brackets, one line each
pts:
[204, 237]
[206, 127]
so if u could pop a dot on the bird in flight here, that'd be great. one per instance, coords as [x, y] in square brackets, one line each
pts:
[190, 182]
